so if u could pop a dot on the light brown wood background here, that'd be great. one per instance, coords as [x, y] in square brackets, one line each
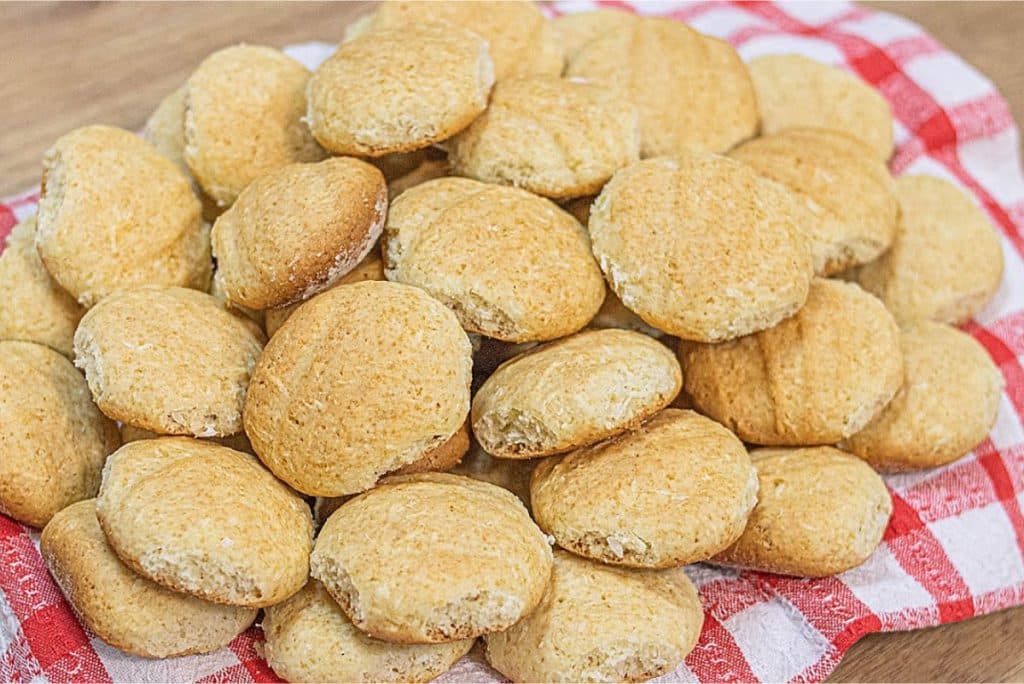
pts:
[66, 65]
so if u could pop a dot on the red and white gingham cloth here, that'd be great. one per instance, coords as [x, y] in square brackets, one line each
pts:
[955, 546]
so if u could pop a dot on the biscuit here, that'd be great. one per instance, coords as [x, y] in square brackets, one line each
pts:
[574, 30]
[399, 90]
[946, 262]
[360, 381]
[551, 136]
[677, 490]
[114, 213]
[205, 520]
[124, 610]
[370, 268]
[238, 441]
[510, 264]
[217, 292]
[33, 307]
[520, 40]
[796, 92]
[309, 639]
[815, 378]
[820, 511]
[573, 393]
[451, 558]
[168, 360]
[847, 190]
[602, 624]
[507, 473]
[297, 230]
[53, 438]
[692, 91]
[948, 403]
[701, 246]
[243, 118]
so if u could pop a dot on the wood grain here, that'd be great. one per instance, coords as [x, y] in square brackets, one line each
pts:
[69, 64]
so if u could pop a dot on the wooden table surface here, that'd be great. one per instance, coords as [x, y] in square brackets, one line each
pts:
[66, 65]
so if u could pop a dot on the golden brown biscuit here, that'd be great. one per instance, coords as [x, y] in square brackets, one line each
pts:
[399, 90]
[510, 474]
[52, 437]
[701, 246]
[217, 292]
[243, 118]
[238, 441]
[846, 189]
[692, 91]
[820, 511]
[510, 264]
[450, 558]
[815, 378]
[33, 307]
[361, 380]
[551, 136]
[127, 611]
[168, 360]
[114, 213]
[948, 403]
[946, 261]
[297, 230]
[370, 268]
[520, 40]
[795, 92]
[309, 639]
[205, 520]
[574, 30]
[677, 490]
[601, 624]
[573, 393]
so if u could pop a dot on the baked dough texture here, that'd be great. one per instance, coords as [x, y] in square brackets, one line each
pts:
[168, 360]
[846, 189]
[124, 610]
[53, 438]
[115, 213]
[574, 30]
[243, 118]
[400, 89]
[205, 520]
[948, 403]
[794, 91]
[573, 392]
[510, 264]
[701, 246]
[677, 490]
[946, 262]
[598, 623]
[552, 136]
[360, 381]
[297, 230]
[33, 307]
[309, 639]
[451, 558]
[519, 38]
[820, 511]
[816, 378]
[692, 91]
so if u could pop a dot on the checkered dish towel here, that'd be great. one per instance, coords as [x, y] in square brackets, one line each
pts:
[955, 544]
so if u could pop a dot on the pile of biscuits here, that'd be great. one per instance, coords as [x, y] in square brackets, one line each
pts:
[647, 304]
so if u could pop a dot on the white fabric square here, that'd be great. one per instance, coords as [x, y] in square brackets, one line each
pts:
[9, 625]
[701, 574]
[658, 8]
[882, 28]
[992, 162]
[815, 13]
[884, 586]
[814, 48]
[1007, 297]
[310, 54]
[901, 482]
[723, 21]
[947, 78]
[127, 668]
[926, 166]
[782, 651]
[982, 546]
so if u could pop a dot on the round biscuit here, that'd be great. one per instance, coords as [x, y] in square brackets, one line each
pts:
[574, 30]
[53, 438]
[510, 264]
[237, 441]
[573, 392]
[450, 558]
[676, 490]
[815, 378]
[820, 511]
[701, 246]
